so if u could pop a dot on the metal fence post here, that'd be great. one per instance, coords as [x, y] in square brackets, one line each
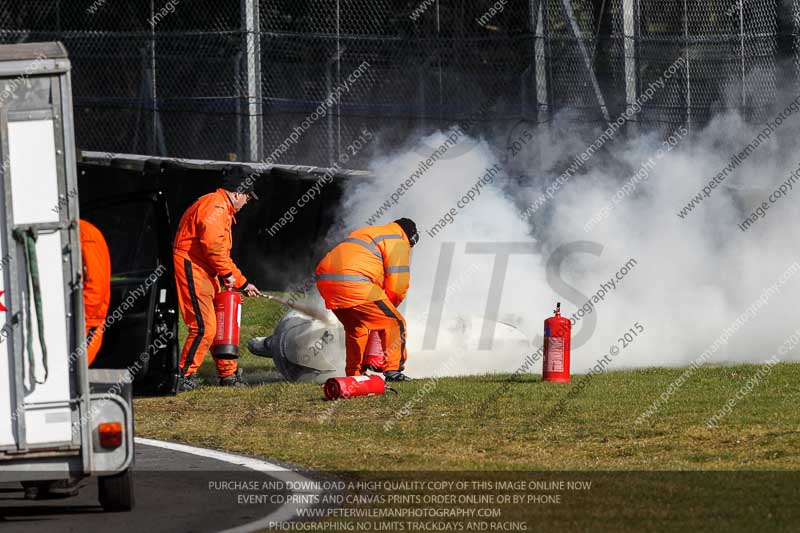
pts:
[688, 66]
[631, 59]
[252, 41]
[540, 61]
[338, 77]
[796, 41]
[152, 143]
[577, 34]
[741, 41]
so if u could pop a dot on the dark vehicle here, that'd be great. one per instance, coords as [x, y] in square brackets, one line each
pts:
[142, 332]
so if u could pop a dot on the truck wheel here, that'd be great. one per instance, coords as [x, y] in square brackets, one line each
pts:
[116, 492]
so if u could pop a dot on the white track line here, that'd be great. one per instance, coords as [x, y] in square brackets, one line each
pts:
[285, 513]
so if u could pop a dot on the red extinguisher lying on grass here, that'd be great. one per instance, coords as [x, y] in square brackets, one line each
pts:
[340, 388]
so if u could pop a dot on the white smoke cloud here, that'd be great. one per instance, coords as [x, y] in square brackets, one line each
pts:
[693, 276]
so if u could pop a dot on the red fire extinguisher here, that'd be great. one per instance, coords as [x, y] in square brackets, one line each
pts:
[228, 308]
[352, 386]
[374, 357]
[557, 331]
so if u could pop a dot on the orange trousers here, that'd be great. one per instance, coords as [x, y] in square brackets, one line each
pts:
[379, 316]
[196, 291]
[94, 339]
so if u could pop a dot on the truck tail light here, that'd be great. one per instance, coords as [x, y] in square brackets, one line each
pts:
[110, 434]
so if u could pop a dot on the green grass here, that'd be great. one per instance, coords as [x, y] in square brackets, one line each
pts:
[455, 427]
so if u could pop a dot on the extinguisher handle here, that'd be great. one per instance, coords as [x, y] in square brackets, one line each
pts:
[244, 292]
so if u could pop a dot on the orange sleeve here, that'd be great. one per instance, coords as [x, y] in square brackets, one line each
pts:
[214, 234]
[397, 269]
[96, 274]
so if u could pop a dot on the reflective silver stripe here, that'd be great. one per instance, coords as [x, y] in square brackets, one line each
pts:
[380, 238]
[342, 277]
[395, 270]
[368, 245]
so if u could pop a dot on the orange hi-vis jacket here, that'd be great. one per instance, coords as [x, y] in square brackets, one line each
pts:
[372, 263]
[204, 236]
[96, 274]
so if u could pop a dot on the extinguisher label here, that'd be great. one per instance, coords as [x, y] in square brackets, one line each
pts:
[238, 315]
[555, 354]
[361, 378]
[220, 326]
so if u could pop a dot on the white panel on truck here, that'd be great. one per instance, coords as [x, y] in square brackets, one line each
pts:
[34, 180]
[34, 184]
[51, 277]
[53, 424]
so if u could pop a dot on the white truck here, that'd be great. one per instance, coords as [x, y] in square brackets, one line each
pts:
[59, 421]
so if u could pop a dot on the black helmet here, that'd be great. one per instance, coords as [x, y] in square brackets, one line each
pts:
[409, 228]
[238, 178]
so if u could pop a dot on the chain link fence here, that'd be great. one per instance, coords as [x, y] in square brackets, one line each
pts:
[293, 81]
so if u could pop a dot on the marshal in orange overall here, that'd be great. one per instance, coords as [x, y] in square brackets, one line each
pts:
[363, 280]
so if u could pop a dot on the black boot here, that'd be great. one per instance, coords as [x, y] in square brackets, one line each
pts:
[234, 380]
[188, 383]
[395, 375]
[258, 346]
[65, 488]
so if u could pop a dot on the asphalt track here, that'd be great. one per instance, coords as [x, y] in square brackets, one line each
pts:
[175, 491]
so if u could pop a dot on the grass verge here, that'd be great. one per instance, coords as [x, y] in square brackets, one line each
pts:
[454, 424]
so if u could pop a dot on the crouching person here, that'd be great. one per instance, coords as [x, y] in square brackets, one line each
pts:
[363, 280]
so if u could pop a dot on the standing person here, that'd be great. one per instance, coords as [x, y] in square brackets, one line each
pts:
[363, 280]
[96, 286]
[202, 256]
